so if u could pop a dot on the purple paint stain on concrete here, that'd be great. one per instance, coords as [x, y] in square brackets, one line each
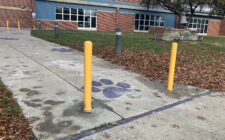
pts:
[62, 49]
[114, 92]
[111, 91]
[96, 84]
[95, 89]
[123, 85]
[106, 81]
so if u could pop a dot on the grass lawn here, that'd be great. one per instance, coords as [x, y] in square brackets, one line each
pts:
[133, 41]
[199, 63]
[12, 123]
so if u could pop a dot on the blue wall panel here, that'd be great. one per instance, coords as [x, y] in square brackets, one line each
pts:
[46, 10]
[120, 3]
[169, 17]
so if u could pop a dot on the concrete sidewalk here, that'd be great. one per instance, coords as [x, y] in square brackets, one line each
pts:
[47, 80]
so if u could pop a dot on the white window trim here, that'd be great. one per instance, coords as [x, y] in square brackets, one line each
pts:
[86, 29]
[150, 20]
[77, 21]
[66, 14]
[204, 24]
[58, 13]
[140, 31]
[73, 14]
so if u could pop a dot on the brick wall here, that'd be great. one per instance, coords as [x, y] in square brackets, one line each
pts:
[126, 22]
[222, 27]
[16, 3]
[107, 21]
[14, 10]
[13, 16]
[157, 29]
[49, 25]
[214, 27]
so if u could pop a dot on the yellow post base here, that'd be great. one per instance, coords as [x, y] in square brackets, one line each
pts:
[87, 76]
[173, 57]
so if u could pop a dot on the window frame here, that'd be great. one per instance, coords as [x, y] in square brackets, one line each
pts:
[73, 15]
[148, 18]
[59, 13]
[68, 14]
[91, 16]
[202, 24]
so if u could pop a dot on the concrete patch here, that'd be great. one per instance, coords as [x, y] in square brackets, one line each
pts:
[30, 104]
[36, 100]
[62, 50]
[9, 38]
[52, 102]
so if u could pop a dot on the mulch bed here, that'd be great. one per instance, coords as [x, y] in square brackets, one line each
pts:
[13, 125]
[200, 69]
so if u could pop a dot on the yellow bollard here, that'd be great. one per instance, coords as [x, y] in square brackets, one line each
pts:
[7, 25]
[87, 76]
[18, 25]
[172, 67]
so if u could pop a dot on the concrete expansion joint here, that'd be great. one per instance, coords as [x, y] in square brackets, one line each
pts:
[108, 107]
[133, 118]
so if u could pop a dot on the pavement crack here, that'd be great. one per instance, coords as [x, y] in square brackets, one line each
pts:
[108, 107]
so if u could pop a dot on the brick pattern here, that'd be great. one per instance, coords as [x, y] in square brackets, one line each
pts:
[16, 3]
[126, 22]
[13, 16]
[222, 27]
[24, 13]
[107, 21]
[214, 27]
[157, 29]
[49, 25]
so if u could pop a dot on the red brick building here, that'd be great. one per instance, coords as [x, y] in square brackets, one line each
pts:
[99, 15]
[14, 10]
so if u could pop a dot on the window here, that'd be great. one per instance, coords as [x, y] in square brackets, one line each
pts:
[142, 22]
[80, 18]
[73, 15]
[59, 13]
[85, 18]
[200, 24]
[66, 14]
